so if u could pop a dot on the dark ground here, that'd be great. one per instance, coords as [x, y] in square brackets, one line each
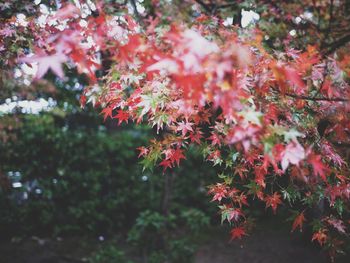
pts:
[269, 243]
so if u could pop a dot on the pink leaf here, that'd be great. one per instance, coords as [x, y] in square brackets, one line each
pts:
[293, 154]
[46, 62]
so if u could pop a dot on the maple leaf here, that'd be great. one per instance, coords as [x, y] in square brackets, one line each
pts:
[143, 151]
[165, 64]
[219, 191]
[184, 127]
[241, 171]
[165, 164]
[337, 224]
[126, 51]
[291, 135]
[7, 32]
[122, 116]
[197, 44]
[319, 168]
[293, 76]
[260, 173]
[320, 236]
[107, 112]
[215, 157]
[168, 153]
[234, 214]
[238, 233]
[292, 154]
[230, 213]
[46, 62]
[196, 136]
[177, 156]
[298, 222]
[66, 12]
[215, 139]
[273, 201]
[240, 200]
[331, 154]
[82, 101]
[328, 89]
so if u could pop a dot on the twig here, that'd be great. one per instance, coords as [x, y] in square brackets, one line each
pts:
[337, 44]
[302, 97]
[134, 6]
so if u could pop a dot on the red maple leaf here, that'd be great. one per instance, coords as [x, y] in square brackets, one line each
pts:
[319, 168]
[238, 232]
[241, 171]
[219, 191]
[184, 127]
[298, 221]
[168, 153]
[122, 116]
[321, 236]
[215, 139]
[235, 214]
[293, 76]
[273, 201]
[241, 200]
[328, 90]
[107, 112]
[177, 156]
[143, 151]
[165, 164]
[82, 101]
[260, 173]
[126, 51]
[196, 136]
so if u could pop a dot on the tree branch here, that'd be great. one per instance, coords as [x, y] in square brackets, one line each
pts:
[134, 6]
[302, 97]
[337, 44]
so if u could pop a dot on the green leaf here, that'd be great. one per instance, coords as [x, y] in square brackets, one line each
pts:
[292, 135]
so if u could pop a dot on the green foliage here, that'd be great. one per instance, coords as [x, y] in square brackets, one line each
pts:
[194, 219]
[73, 180]
[85, 179]
[168, 237]
[147, 226]
[108, 254]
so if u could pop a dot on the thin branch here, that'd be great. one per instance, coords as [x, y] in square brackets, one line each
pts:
[134, 6]
[302, 97]
[226, 5]
[337, 44]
